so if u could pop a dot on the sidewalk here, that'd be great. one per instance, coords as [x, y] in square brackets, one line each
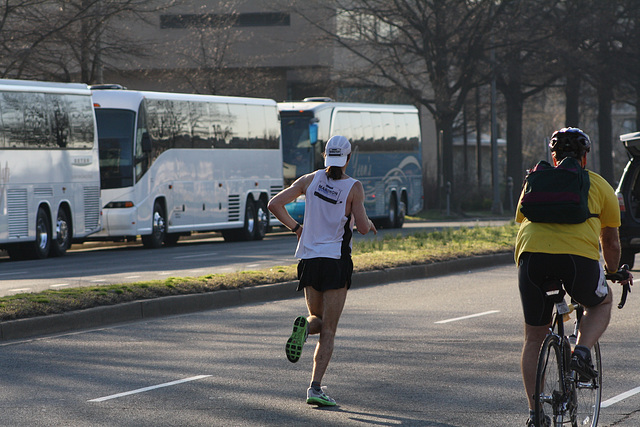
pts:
[181, 304]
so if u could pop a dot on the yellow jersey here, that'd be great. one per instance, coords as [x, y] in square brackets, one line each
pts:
[576, 239]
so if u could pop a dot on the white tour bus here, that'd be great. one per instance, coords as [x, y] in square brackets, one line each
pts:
[172, 164]
[49, 167]
[386, 152]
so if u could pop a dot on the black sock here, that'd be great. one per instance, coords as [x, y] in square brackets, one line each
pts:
[583, 352]
[316, 386]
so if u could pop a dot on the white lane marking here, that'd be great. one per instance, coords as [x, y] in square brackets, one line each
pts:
[98, 280]
[153, 387]
[468, 317]
[619, 397]
[252, 265]
[59, 285]
[196, 256]
[132, 277]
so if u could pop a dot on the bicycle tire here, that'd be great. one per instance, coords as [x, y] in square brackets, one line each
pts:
[589, 394]
[549, 389]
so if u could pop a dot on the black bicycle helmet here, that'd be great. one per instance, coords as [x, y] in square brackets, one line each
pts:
[569, 142]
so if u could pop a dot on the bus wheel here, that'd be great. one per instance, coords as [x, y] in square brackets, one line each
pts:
[62, 242]
[392, 214]
[247, 232]
[262, 220]
[402, 211]
[40, 248]
[158, 228]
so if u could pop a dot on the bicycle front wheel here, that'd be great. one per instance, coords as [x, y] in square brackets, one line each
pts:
[589, 394]
[549, 395]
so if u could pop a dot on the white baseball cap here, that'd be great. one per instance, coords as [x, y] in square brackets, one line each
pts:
[336, 151]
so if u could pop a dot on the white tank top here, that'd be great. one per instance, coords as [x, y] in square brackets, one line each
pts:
[327, 230]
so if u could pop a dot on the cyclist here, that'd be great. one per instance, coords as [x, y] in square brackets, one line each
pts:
[571, 253]
[333, 202]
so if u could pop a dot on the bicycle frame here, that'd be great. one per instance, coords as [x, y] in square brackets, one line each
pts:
[572, 401]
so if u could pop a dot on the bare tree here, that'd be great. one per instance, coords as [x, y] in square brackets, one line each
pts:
[524, 68]
[70, 39]
[609, 26]
[203, 67]
[430, 51]
[590, 45]
[630, 61]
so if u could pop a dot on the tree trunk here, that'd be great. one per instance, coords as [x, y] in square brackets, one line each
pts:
[605, 97]
[478, 139]
[515, 169]
[445, 126]
[572, 95]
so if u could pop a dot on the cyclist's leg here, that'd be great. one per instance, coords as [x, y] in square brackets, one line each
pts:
[595, 322]
[590, 289]
[537, 314]
[533, 338]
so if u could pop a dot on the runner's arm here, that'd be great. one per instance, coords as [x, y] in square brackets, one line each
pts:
[363, 223]
[277, 203]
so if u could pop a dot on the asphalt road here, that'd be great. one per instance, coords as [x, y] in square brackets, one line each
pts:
[95, 264]
[432, 352]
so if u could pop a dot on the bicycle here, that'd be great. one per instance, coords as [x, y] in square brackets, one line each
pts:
[562, 397]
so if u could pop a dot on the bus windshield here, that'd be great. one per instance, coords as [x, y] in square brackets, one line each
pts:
[297, 151]
[116, 129]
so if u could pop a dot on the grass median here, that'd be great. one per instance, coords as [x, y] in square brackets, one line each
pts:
[377, 254]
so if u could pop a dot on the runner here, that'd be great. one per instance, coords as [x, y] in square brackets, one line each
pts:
[334, 201]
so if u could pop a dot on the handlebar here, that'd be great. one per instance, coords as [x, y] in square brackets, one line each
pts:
[621, 275]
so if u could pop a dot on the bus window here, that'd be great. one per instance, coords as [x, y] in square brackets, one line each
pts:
[80, 122]
[389, 127]
[59, 121]
[220, 131]
[115, 128]
[296, 147]
[160, 126]
[13, 119]
[240, 125]
[257, 127]
[341, 124]
[144, 146]
[199, 125]
[37, 128]
[367, 127]
[182, 130]
[376, 129]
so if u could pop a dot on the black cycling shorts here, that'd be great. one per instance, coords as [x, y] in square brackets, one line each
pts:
[583, 280]
[325, 273]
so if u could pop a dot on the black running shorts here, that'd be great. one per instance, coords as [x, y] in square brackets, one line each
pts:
[583, 280]
[325, 273]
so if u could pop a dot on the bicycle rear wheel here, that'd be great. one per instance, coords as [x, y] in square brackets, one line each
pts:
[589, 394]
[549, 394]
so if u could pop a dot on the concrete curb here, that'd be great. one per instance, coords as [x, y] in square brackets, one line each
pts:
[182, 304]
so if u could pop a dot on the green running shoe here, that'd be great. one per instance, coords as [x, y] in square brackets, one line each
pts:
[319, 398]
[298, 337]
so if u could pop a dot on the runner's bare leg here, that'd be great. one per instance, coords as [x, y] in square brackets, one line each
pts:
[325, 309]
